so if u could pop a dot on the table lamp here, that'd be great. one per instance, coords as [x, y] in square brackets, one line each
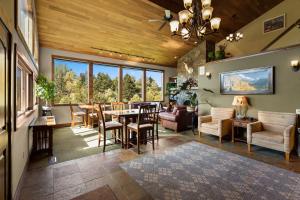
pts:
[241, 106]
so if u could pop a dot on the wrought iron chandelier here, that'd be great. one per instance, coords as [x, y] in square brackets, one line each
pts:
[194, 21]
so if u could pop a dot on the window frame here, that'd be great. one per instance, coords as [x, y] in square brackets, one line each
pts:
[120, 67]
[71, 60]
[163, 84]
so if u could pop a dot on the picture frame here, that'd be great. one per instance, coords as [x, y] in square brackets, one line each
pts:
[273, 24]
[249, 81]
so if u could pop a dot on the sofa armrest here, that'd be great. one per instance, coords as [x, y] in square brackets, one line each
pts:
[251, 128]
[225, 126]
[204, 119]
[289, 138]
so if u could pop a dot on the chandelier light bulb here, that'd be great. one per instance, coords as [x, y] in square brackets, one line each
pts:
[184, 16]
[187, 3]
[185, 33]
[201, 31]
[215, 23]
[206, 3]
[207, 13]
[174, 26]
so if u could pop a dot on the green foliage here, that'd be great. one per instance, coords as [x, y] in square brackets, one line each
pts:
[69, 86]
[45, 89]
[73, 88]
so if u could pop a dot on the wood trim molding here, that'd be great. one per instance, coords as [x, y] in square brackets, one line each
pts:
[281, 35]
[254, 55]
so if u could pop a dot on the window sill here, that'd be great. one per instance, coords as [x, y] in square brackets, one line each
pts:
[23, 118]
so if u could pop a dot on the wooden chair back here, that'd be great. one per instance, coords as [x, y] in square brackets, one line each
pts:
[71, 109]
[147, 115]
[117, 105]
[101, 118]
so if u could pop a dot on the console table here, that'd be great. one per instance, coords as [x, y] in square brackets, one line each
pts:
[239, 124]
[43, 134]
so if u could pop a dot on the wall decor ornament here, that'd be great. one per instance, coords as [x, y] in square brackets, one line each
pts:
[250, 81]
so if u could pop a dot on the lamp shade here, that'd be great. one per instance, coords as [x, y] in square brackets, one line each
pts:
[174, 26]
[215, 23]
[240, 101]
[185, 33]
[184, 16]
[206, 3]
[207, 13]
[187, 3]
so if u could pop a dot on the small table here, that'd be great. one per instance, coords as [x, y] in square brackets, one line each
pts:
[238, 124]
[43, 134]
[194, 120]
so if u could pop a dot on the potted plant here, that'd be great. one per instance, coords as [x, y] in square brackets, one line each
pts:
[193, 102]
[45, 89]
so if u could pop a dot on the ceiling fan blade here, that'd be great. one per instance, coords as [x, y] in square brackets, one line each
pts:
[163, 25]
[155, 20]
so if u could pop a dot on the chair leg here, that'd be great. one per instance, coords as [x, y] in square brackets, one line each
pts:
[200, 134]
[115, 135]
[220, 139]
[249, 147]
[122, 137]
[287, 156]
[99, 136]
[138, 141]
[153, 139]
[157, 130]
[104, 140]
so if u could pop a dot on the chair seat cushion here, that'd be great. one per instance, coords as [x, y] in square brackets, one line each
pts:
[268, 136]
[79, 113]
[142, 126]
[210, 125]
[167, 116]
[112, 124]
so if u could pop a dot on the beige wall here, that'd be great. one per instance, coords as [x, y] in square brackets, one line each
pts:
[62, 113]
[287, 82]
[254, 38]
[21, 139]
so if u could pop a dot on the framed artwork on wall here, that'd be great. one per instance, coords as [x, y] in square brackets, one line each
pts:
[273, 24]
[250, 81]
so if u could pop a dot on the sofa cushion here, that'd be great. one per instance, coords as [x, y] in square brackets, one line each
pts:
[210, 125]
[269, 136]
[168, 116]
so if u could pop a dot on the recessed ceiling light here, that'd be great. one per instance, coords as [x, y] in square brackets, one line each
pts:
[196, 42]
[175, 57]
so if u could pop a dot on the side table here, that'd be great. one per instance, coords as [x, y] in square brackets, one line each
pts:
[240, 124]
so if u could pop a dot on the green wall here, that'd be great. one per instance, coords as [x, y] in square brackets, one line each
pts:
[287, 82]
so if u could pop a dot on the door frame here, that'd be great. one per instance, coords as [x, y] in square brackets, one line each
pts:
[8, 102]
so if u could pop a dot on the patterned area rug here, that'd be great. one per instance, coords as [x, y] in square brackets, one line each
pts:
[197, 171]
[102, 193]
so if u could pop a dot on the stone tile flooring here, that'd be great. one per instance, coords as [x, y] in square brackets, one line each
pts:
[69, 179]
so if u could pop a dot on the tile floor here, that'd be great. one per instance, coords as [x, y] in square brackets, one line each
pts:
[72, 178]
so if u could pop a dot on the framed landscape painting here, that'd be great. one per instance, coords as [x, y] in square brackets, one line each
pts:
[274, 23]
[250, 81]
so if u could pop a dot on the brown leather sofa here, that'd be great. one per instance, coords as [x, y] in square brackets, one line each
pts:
[178, 120]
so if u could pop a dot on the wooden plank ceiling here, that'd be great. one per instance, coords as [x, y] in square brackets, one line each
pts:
[122, 26]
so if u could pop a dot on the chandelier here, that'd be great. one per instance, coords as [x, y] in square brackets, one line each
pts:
[234, 37]
[195, 21]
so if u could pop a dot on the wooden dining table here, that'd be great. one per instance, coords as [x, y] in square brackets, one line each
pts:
[87, 109]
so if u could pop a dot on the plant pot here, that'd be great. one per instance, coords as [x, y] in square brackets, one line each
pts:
[190, 108]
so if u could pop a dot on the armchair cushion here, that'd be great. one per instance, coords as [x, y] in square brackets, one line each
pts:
[211, 125]
[268, 136]
[167, 116]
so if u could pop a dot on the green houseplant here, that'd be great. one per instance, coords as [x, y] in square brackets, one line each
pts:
[45, 89]
[193, 102]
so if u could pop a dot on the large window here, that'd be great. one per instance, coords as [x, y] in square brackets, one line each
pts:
[71, 81]
[105, 83]
[85, 81]
[154, 85]
[132, 85]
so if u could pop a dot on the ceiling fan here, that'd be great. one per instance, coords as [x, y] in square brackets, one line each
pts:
[166, 19]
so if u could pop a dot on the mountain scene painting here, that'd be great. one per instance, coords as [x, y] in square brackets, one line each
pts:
[251, 81]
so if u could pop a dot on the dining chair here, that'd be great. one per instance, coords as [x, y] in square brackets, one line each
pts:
[104, 126]
[144, 127]
[76, 114]
[93, 115]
